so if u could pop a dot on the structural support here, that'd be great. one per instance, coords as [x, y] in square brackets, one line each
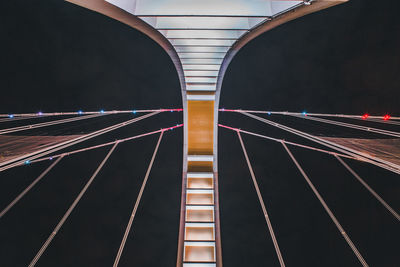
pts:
[48, 150]
[105, 144]
[372, 191]
[21, 116]
[202, 37]
[49, 123]
[351, 152]
[70, 209]
[139, 197]
[26, 190]
[352, 126]
[327, 209]
[264, 209]
[199, 236]
[287, 142]
[336, 155]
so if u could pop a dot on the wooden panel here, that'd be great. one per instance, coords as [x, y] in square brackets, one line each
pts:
[206, 183]
[199, 199]
[200, 215]
[199, 253]
[200, 166]
[200, 233]
[201, 93]
[200, 127]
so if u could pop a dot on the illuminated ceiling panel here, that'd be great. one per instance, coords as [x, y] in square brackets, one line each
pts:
[200, 87]
[200, 61]
[202, 7]
[280, 6]
[203, 34]
[200, 67]
[201, 55]
[201, 73]
[227, 23]
[202, 42]
[202, 49]
[201, 79]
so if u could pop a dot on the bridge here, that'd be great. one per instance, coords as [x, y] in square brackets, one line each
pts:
[201, 39]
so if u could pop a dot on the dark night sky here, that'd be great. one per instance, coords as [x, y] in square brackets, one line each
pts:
[59, 57]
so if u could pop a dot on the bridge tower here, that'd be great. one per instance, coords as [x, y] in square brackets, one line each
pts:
[202, 37]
